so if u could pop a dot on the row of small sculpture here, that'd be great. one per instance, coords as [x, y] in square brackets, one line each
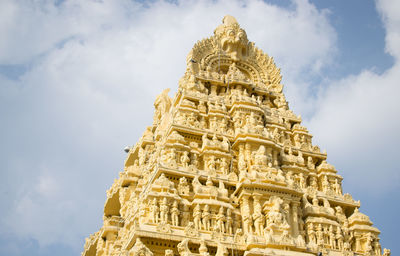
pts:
[260, 166]
[161, 211]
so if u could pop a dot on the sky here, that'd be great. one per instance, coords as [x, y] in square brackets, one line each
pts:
[78, 80]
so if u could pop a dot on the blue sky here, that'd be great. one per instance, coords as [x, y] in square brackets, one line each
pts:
[77, 86]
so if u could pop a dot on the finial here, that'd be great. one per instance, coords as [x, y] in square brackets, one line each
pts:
[229, 20]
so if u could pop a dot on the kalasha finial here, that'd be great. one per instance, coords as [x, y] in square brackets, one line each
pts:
[229, 20]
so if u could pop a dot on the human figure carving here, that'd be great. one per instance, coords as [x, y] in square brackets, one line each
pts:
[197, 217]
[185, 160]
[259, 220]
[183, 186]
[211, 165]
[221, 219]
[164, 209]
[175, 214]
[337, 187]
[332, 238]
[162, 105]
[154, 209]
[339, 239]
[224, 166]
[311, 234]
[320, 235]
[260, 156]
[325, 184]
[206, 218]
[310, 163]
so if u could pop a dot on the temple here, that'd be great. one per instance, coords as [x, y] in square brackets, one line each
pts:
[227, 169]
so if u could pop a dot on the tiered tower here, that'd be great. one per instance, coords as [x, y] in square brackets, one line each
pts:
[227, 169]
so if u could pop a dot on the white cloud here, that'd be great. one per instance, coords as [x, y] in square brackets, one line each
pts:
[357, 120]
[94, 70]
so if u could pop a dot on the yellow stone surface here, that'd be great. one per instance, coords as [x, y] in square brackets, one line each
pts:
[228, 169]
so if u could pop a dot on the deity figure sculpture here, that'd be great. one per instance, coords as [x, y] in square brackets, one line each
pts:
[259, 220]
[197, 217]
[185, 160]
[220, 218]
[164, 209]
[340, 215]
[275, 216]
[225, 144]
[224, 166]
[247, 223]
[194, 160]
[162, 105]
[206, 217]
[325, 184]
[192, 120]
[175, 214]
[300, 159]
[332, 238]
[302, 181]
[289, 179]
[197, 186]
[229, 222]
[223, 192]
[211, 165]
[339, 238]
[260, 157]
[313, 182]
[183, 186]
[311, 234]
[320, 235]
[238, 238]
[213, 124]
[310, 163]
[154, 210]
[279, 176]
[368, 244]
[337, 187]
[171, 157]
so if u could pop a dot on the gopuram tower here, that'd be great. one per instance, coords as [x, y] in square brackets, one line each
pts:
[227, 169]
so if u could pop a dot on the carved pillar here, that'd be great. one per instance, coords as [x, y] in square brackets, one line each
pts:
[275, 158]
[295, 219]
